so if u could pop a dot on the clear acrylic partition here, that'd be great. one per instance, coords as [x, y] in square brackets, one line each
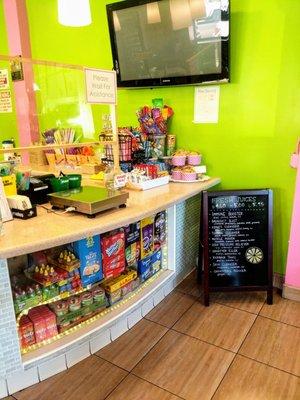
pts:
[60, 96]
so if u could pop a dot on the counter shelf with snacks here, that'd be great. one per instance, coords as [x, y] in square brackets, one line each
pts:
[49, 301]
[94, 317]
[91, 275]
[50, 231]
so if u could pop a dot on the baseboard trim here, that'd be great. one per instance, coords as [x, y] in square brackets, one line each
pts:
[291, 292]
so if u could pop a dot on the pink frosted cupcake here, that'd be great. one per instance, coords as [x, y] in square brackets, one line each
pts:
[178, 161]
[194, 158]
[189, 176]
[177, 174]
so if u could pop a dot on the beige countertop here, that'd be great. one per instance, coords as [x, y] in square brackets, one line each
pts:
[49, 230]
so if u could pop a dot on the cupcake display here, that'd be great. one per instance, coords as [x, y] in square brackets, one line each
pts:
[186, 167]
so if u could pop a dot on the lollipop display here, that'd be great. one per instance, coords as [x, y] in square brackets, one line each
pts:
[153, 125]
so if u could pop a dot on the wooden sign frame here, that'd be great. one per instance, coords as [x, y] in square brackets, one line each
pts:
[205, 238]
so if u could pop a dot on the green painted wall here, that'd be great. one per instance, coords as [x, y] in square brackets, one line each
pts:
[8, 122]
[259, 117]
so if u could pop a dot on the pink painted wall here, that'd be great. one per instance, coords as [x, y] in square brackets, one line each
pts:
[292, 276]
[19, 44]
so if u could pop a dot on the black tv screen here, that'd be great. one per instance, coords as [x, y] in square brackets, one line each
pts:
[169, 42]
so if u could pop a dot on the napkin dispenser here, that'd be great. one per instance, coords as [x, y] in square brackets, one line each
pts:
[21, 207]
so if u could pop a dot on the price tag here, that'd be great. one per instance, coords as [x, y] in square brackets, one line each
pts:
[119, 181]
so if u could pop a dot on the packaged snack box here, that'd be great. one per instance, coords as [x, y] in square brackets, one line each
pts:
[88, 252]
[156, 261]
[144, 268]
[130, 287]
[132, 233]
[147, 243]
[160, 232]
[50, 321]
[114, 284]
[133, 254]
[26, 332]
[133, 244]
[39, 324]
[113, 268]
[114, 296]
[113, 247]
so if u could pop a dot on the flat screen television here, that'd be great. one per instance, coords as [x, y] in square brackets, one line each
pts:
[169, 42]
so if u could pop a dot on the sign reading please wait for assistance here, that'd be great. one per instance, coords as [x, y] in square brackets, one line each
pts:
[101, 87]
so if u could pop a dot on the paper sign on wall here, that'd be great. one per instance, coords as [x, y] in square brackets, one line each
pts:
[4, 83]
[206, 108]
[5, 101]
[101, 87]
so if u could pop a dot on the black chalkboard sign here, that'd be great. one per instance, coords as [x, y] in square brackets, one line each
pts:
[238, 241]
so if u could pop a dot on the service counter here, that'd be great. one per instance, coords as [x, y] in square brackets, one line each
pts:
[182, 202]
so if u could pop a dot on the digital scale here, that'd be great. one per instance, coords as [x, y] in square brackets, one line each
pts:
[89, 200]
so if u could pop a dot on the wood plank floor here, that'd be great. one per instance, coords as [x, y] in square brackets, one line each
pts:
[237, 349]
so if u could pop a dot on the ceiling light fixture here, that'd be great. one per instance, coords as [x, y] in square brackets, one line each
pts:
[74, 13]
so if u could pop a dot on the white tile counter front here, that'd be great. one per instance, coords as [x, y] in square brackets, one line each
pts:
[182, 201]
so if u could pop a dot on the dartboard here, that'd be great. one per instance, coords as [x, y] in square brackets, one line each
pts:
[254, 255]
